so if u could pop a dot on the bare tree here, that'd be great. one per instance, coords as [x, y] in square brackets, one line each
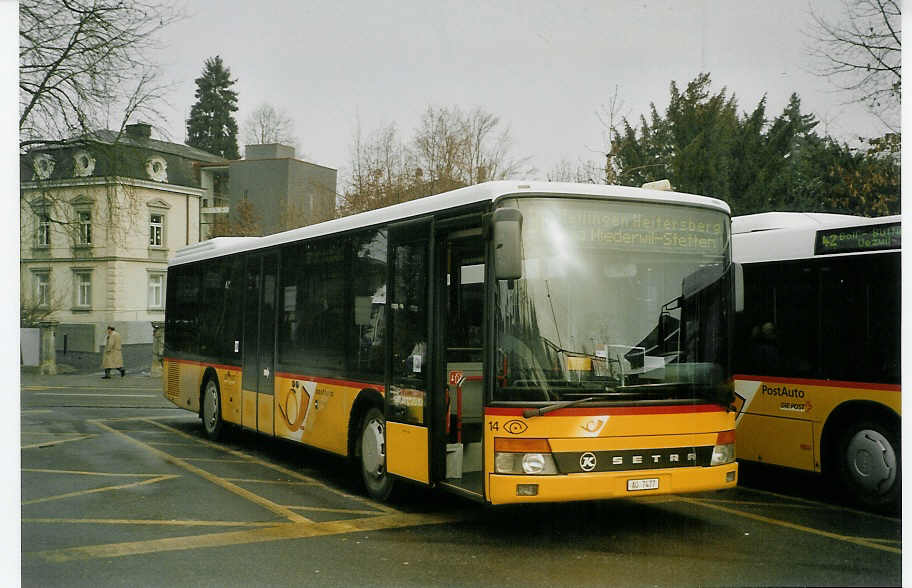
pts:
[242, 221]
[267, 124]
[862, 54]
[380, 170]
[450, 149]
[81, 61]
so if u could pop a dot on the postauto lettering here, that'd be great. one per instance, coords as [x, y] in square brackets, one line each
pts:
[782, 391]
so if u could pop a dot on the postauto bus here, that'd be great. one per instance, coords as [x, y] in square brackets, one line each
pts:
[509, 341]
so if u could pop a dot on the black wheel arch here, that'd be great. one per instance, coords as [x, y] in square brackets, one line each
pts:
[367, 399]
[208, 373]
[845, 414]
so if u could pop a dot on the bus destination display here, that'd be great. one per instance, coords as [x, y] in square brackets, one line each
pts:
[857, 239]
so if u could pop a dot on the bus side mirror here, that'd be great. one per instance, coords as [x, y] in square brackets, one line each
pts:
[507, 223]
[738, 272]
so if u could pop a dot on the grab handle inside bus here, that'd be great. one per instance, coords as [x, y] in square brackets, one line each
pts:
[507, 243]
[738, 272]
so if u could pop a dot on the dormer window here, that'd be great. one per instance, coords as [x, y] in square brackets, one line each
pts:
[43, 165]
[83, 164]
[157, 169]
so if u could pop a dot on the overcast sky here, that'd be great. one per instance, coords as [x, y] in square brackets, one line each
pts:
[545, 67]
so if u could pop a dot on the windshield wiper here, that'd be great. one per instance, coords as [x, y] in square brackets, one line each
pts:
[533, 412]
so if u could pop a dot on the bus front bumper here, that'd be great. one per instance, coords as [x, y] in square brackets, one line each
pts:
[505, 489]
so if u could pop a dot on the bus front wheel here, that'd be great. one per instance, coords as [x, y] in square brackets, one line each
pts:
[869, 464]
[212, 409]
[378, 483]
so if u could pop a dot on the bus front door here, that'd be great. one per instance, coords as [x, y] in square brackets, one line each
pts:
[409, 364]
[259, 343]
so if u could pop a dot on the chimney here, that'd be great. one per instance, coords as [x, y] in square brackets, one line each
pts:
[140, 130]
[269, 151]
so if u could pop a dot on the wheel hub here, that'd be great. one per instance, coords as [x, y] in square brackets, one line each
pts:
[373, 451]
[872, 461]
[211, 407]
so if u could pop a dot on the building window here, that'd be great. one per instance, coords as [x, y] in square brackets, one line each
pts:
[156, 227]
[156, 291]
[83, 289]
[85, 228]
[42, 288]
[44, 230]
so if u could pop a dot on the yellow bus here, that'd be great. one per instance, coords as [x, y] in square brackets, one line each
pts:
[817, 352]
[511, 341]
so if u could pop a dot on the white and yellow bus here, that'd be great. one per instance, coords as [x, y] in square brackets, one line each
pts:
[817, 355]
[512, 342]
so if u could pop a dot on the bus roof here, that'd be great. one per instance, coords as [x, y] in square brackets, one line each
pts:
[775, 236]
[486, 192]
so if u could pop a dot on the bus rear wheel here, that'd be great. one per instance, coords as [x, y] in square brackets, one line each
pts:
[212, 409]
[869, 464]
[378, 483]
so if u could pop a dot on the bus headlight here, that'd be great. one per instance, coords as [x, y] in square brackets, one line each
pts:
[525, 463]
[724, 449]
[523, 456]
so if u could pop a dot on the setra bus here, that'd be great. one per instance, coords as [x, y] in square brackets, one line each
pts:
[817, 352]
[509, 341]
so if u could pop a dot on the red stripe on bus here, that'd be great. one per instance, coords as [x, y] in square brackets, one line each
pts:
[828, 383]
[218, 366]
[331, 381]
[594, 411]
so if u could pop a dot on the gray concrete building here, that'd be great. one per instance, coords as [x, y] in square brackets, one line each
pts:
[283, 192]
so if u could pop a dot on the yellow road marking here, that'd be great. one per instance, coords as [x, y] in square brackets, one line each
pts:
[222, 483]
[338, 510]
[881, 540]
[50, 433]
[57, 442]
[819, 504]
[102, 489]
[773, 504]
[788, 525]
[275, 467]
[273, 533]
[216, 460]
[174, 523]
[81, 473]
[172, 443]
[39, 388]
[106, 395]
[283, 482]
[36, 411]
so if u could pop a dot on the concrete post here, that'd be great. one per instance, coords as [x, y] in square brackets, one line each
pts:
[48, 357]
[158, 348]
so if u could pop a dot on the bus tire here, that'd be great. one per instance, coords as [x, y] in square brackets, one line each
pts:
[377, 482]
[869, 464]
[211, 409]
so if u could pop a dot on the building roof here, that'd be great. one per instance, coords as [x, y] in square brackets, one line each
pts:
[111, 137]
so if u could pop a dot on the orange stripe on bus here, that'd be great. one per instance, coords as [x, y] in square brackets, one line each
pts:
[596, 411]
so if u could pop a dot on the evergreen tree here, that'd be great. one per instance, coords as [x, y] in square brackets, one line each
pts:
[211, 126]
[703, 146]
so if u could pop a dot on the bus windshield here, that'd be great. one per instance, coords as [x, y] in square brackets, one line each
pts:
[619, 302]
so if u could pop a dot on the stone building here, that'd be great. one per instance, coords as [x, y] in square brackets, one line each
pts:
[99, 217]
